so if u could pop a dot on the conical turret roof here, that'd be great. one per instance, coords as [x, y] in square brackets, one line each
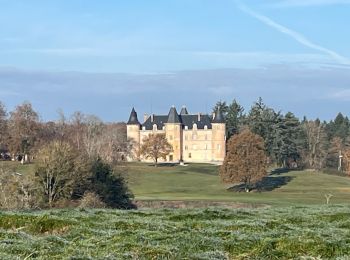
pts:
[184, 111]
[173, 116]
[218, 117]
[133, 118]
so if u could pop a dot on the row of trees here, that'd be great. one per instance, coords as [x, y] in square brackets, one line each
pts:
[22, 134]
[76, 161]
[289, 141]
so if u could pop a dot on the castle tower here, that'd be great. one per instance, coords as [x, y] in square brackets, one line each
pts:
[133, 133]
[173, 129]
[218, 137]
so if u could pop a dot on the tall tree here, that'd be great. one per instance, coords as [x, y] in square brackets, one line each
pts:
[245, 160]
[221, 106]
[316, 144]
[3, 127]
[155, 146]
[234, 118]
[288, 141]
[261, 121]
[23, 128]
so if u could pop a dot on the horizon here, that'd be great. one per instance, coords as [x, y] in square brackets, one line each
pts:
[98, 59]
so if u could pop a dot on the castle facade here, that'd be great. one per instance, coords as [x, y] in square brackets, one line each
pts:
[194, 137]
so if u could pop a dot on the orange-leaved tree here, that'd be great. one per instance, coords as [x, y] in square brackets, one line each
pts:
[245, 161]
[155, 146]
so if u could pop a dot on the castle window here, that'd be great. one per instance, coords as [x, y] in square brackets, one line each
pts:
[206, 137]
[206, 147]
[170, 137]
[189, 155]
[218, 147]
[194, 137]
[186, 137]
[186, 147]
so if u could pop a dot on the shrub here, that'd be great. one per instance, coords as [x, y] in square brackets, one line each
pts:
[110, 186]
[91, 200]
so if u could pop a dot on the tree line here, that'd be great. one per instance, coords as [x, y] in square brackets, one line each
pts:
[77, 161]
[291, 142]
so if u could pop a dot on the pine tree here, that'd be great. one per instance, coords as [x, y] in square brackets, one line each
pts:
[234, 118]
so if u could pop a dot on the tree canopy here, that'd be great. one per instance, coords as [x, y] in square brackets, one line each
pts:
[245, 161]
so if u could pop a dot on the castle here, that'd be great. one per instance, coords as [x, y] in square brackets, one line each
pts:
[194, 137]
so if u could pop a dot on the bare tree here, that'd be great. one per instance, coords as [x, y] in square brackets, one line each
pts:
[59, 168]
[155, 146]
[24, 122]
[316, 152]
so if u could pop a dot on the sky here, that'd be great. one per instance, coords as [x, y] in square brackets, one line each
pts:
[104, 57]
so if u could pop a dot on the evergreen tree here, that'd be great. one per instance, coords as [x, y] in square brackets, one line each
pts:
[287, 140]
[234, 118]
[262, 121]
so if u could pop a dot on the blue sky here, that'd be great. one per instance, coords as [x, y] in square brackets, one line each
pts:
[103, 57]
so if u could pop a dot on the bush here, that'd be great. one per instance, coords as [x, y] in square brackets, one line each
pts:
[110, 186]
[17, 191]
[91, 200]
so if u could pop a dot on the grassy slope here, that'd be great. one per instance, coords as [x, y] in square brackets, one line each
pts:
[273, 233]
[201, 182]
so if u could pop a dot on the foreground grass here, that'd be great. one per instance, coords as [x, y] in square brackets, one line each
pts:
[270, 233]
[201, 182]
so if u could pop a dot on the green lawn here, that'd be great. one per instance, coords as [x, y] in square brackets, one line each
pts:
[297, 232]
[201, 182]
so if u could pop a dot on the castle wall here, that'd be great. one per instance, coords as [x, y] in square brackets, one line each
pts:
[197, 145]
[218, 142]
[190, 145]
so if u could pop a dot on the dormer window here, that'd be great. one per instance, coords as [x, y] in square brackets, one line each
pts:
[143, 128]
[205, 127]
[154, 127]
[195, 126]
[186, 127]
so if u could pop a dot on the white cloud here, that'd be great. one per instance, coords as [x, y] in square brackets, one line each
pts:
[343, 95]
[295, 35]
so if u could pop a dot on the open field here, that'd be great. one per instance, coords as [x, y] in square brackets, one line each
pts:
[201, 182]
[270, 233]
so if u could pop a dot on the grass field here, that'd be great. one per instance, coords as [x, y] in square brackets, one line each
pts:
[201, 182]
[297, 232]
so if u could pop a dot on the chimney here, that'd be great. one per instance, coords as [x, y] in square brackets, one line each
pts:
[213, 116]
[145, 117]
[152, 118]
[199, 117]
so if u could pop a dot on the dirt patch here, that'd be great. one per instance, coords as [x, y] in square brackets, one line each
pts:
[177, 204]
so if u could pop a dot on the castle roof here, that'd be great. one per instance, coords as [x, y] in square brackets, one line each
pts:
[133, 118]
[218, 117]
[186, 120]
[184, 111]
[173, 116]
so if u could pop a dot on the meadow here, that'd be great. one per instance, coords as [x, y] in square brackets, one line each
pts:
[200, 182]
[312, 232]
[288, 219]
